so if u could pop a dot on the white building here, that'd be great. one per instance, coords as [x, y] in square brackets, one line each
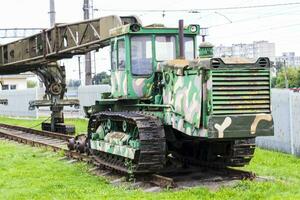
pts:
[222, 51]
[254, 50]
[15, 82]
[264, 49]
[289, 59]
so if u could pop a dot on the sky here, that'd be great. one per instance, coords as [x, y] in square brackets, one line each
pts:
[280, 25]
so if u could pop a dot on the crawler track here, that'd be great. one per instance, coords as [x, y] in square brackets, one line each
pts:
[175, 178]
[153, 145]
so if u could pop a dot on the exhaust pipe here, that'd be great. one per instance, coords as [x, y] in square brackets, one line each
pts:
[181, 40]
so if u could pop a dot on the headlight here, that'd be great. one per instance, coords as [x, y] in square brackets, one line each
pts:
[193, 28]
[135, 27]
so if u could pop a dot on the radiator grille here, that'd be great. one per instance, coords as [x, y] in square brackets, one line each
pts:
[240, 91]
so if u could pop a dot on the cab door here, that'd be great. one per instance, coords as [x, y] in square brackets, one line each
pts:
[118, 68]
[140, 80]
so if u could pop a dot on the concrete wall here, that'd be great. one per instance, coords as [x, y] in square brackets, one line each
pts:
[286, 115]
[87, 95]
[295, 113]
[18, 103]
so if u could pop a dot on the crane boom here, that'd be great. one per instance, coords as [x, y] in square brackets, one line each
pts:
[58, 42]
[38, 53]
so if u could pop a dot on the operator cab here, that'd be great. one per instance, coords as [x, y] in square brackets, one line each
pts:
[135, 56]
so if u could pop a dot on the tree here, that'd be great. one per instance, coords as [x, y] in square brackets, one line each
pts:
[293, 76]
[31, 84]
[279, 65]
[273, 82]
[101, 78]
[74, 83]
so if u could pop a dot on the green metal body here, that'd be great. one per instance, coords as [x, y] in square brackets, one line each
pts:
[203, 98]
[204, 108]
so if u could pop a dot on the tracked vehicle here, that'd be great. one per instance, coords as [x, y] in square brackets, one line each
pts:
[168, 103]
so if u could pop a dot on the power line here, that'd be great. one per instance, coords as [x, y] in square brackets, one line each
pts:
[227, 18]
[268, 15]
[205, 9]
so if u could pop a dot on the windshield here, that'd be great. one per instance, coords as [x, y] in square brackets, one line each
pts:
[113, 57]
[141, 55]
[165, 47]
[189, 48]
[121, 54]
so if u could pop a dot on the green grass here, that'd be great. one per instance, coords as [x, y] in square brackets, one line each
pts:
[80, 124]
[33, 173]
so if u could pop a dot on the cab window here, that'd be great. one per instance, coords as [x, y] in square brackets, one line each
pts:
[165, 47]
[141, 55]
[189, 48]
[113, 56]
[121, 54]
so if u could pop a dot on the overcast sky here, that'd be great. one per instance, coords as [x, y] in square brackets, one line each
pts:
[275, 24]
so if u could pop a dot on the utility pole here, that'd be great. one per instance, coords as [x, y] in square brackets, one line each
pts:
[94, 53]
[52, 13]
[203, 33]
[79, 66]
[285, 74]
[88, 64]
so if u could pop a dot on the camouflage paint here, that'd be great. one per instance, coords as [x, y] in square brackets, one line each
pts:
[124, 83]
[119, 84]
[258, 118]
[183, 92]
[199, 99]
[114, 142]
[234, 126]
[234, 100]
[121, 150]
[140, 87]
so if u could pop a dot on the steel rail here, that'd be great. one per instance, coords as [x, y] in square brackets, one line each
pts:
[37, 132]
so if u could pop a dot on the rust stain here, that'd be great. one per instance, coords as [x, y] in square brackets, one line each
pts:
[178, 63]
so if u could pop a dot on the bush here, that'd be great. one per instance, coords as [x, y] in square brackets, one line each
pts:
[293, 76]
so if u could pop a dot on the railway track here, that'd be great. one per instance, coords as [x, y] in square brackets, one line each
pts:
[171, 178]
[55, 141]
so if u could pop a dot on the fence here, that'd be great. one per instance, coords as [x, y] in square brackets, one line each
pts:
[18, 101]
[87, 95]
[286, 115]
[285, 109]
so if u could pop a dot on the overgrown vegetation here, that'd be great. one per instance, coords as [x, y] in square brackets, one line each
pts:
[31, 84]
[73, 83]
[101, 78]
[293, 77]
[33, 173]
[98, 79]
